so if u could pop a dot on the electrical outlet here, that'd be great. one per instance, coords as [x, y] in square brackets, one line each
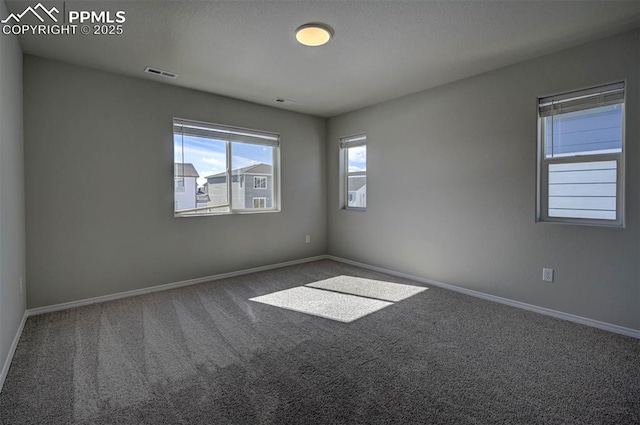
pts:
[547, 275]
[307, 239]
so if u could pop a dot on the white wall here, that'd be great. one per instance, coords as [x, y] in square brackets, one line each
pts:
[12, 239]
[90, 232]
[451, 188]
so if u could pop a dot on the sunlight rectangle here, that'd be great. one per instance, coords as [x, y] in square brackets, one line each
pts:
[330, 305]
[368, 288]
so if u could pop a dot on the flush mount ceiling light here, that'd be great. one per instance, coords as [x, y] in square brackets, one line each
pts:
[314, 34]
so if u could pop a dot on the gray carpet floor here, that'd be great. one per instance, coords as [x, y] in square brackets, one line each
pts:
[206, 355]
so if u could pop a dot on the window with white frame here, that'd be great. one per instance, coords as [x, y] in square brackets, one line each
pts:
[354, 153]
[581, 156]
[178, 184]
[259, 202]
[213, 161]
[259, 182]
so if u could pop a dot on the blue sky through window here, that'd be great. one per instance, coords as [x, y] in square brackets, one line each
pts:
[209, 156]
[357, 158]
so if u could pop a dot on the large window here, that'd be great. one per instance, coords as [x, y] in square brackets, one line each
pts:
[354, 152]
[581, 156]
[213, 162]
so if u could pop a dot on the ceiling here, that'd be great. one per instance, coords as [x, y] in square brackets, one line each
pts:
[381, 49]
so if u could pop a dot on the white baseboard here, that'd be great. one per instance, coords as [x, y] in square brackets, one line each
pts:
[542, 310]
[165, 287]
[12, 350]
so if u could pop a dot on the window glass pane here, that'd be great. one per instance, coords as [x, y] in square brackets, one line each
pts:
[252, 174]
[201, 163]
[216, 193]
[357, 158]
[259, 182]
[583, 190]
[259, 203]
[592, 131]
[357, 191]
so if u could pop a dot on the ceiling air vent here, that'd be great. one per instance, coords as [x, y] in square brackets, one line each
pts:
[160, 72]
[284, 101]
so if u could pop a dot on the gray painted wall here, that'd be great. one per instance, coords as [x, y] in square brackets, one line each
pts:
[12, 248]
[99, 184]
[451, 188]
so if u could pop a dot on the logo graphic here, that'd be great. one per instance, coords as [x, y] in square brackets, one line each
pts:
[39, 7]
[69, 22]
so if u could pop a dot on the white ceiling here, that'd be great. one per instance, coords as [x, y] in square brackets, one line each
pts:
[381, 49]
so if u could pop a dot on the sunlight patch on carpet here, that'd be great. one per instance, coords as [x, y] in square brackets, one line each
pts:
[330, 305]
[341, 298]
[369, 288]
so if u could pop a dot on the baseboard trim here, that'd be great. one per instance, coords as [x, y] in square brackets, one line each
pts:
[518, 304]
[12, 350]
[73, 304]
[167, 286]
[542, 310]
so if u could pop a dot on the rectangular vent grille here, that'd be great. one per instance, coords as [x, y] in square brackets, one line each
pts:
[160, 72]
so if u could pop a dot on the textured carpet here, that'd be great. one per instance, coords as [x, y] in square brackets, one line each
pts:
[205, 354]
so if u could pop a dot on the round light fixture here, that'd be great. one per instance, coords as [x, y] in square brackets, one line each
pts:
[314, 34]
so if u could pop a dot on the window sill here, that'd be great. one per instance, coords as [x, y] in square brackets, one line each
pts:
[615, 225]
[237, 212]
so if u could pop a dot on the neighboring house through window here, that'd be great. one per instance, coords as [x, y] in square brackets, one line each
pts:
[226, 157]
[243, 195]
[354, 156]
[581, 156]
[185, 195]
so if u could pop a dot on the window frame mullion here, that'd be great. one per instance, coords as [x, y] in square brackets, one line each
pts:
[229, 177]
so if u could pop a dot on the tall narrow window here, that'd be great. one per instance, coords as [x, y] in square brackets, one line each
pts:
[354, 151]
[581, 156]
[213, 161]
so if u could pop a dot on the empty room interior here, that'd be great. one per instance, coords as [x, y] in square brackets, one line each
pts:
[320, 212]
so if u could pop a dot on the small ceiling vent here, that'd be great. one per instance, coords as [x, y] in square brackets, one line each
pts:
[284, 101]
[160, 72]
